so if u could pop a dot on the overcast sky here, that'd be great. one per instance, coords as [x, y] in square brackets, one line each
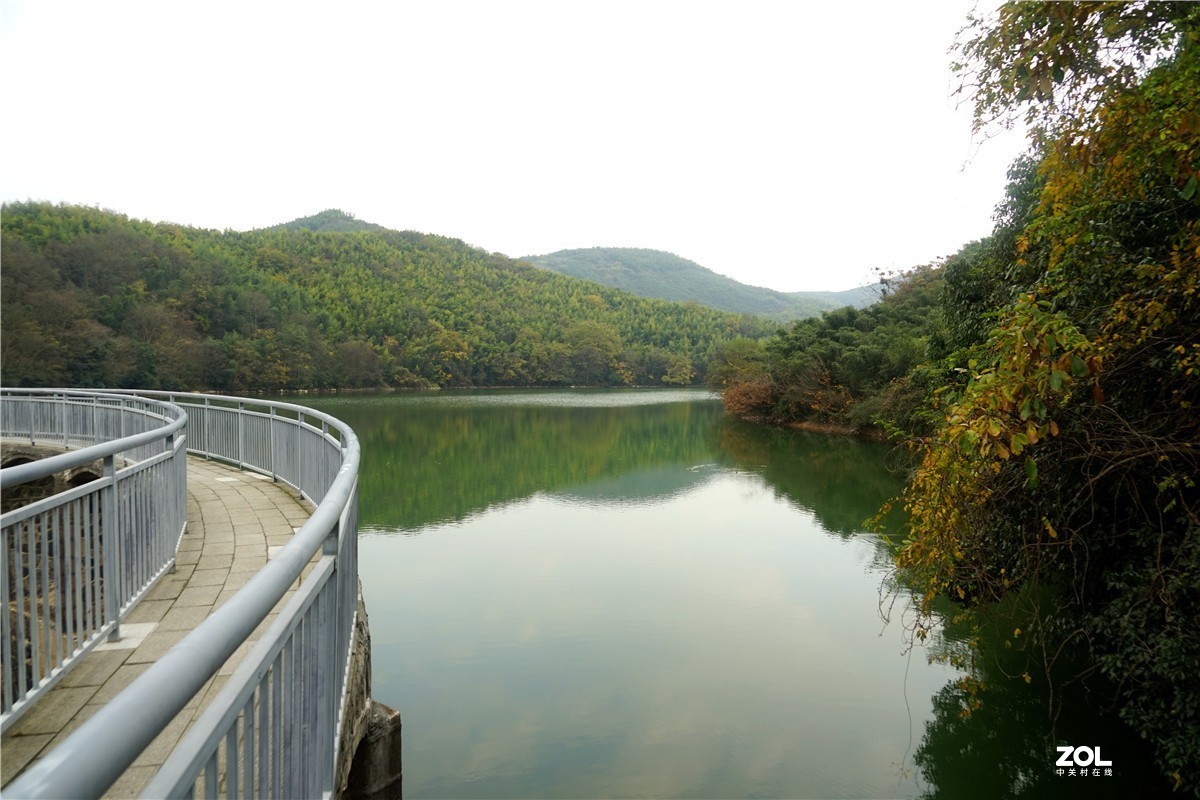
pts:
[793, 145]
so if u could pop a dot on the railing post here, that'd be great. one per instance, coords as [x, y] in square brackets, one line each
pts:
[110, 540]
[241, 434]
[169, 471]
[65, 432]
[324, 459]
[271, 433]
[300, 452]
[331, 627]
[207, 433]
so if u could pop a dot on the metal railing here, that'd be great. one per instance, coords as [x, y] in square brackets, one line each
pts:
[73, 564]
[274, 730]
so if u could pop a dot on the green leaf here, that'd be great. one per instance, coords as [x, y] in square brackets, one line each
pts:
[1031, 471]
[1189, 188]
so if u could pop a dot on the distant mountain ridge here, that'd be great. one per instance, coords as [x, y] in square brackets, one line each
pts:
[665, 276]
[94, 298]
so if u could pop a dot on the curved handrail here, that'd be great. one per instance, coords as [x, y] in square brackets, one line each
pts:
[23, 473]
[83, 536]
[91, 759]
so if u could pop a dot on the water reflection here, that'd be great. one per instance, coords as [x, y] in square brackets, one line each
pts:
[715, 644]
[621, 597]
[445, 456]
[612, 596]
[1006, 748]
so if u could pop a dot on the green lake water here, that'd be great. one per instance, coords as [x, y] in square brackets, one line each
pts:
[627, 594]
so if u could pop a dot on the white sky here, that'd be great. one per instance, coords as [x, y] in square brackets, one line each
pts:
[795, 145]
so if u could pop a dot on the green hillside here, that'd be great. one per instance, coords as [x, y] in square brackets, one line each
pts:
[331, 221]
[93, 298]
[654, 273]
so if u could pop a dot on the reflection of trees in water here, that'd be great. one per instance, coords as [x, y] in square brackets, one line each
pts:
[843, 481]
[425, 463]
[1006, 747]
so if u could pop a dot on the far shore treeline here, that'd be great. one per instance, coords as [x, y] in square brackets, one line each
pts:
[93, 298]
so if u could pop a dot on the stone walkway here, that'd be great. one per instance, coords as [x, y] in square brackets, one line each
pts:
[236, 521]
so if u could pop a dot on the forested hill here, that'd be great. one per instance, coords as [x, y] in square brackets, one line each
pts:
[331, 221]
[93, 298]
[654, 273]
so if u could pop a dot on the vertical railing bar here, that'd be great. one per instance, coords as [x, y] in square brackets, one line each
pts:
[264, 739]
[210, 778]
[35, 595]
[241, 434]
[93, 590]
[138, 536]
[294, 740]
[79, 565]
[277, 731]
[111, 554]
[45, 608]
[285, 733]
[311, 732]
[131, 537]
[324, 477]
[271, 425]
[79, 546]
[248, 744]
[68, 561]
[231, 761]
[19, 662]
[7, 679]
[300, 452]
[89, 574]
[330, 650]
[316, 715]
[61, 652]
[148, 546]
[124, 519]
[305, 718]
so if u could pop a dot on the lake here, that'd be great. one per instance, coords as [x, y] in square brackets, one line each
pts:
[627, 594]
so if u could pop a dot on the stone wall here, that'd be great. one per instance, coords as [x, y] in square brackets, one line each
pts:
[12, 453]
[369, 762]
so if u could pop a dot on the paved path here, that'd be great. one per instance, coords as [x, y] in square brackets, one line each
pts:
[236, 521]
